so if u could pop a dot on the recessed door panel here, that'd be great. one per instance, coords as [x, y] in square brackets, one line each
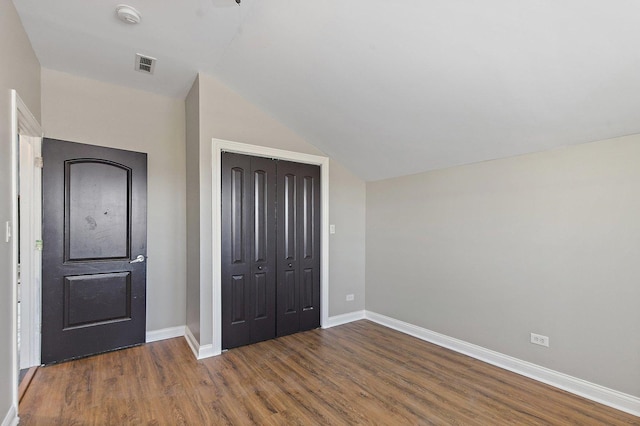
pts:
[308, 289]
[94, 299]
[97, 210]
[238, 299]
[307, 217]
[237, 215]
[291, 292]
[261, 216]
[261, 296]
[289, 211]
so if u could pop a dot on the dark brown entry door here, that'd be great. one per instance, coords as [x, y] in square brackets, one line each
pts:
[95, 246]
[270, 248]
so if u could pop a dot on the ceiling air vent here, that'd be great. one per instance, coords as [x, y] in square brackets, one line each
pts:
[145, 64]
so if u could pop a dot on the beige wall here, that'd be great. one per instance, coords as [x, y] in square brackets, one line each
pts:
[347, 203]
[20, 70]
[87, 111]
[192, 110]
[226, 115]
[546, 243]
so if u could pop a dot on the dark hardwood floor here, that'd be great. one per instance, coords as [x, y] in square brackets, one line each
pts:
[359, 373]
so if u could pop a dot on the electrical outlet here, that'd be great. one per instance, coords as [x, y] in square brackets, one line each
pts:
[538, 339]
[350, 297]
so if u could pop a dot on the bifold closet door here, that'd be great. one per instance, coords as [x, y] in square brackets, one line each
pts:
[270, 248]
[298, 241]
[248, 249]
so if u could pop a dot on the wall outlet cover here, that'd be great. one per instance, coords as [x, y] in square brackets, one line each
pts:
[539, 339]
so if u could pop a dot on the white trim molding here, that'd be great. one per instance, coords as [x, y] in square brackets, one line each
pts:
[337, 320]
[219, 146]
[22, 122]
[612, 398]
[200, 352]
[11, 419]
[165, 333]
[30, 223]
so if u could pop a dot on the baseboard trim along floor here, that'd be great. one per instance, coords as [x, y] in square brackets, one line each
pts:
[583, 388]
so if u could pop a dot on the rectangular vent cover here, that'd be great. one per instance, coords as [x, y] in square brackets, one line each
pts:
[145, 64]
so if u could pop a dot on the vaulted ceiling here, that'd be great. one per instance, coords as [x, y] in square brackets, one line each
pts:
[386, 87]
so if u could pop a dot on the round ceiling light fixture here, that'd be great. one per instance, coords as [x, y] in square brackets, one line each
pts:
[127, 14]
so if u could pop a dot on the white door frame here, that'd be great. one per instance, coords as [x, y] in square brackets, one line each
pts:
[30, 252]
[22, 122]
[219, 146]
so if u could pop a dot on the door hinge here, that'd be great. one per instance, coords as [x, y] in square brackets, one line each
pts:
[39, 163]
[39, 245]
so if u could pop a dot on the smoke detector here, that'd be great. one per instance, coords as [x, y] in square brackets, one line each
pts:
[127, 14]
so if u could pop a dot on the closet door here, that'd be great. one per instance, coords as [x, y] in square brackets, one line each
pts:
[248, 249]
[298, 292]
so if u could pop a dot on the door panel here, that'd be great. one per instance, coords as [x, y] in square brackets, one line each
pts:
[238, 215]
[288, 295]
[81, 306]
[97, 215]
[235, 242]
[287, 207]
[308, 290]
[298, 247]
[94, 222]
[309, 205]
[261, 295]
[238, 300]
[248, 249]
[307, 218]
[261, 218]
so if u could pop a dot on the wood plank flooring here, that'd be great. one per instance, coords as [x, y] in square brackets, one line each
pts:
[358, 373]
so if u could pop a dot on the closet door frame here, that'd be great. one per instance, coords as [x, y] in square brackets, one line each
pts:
[219, 146]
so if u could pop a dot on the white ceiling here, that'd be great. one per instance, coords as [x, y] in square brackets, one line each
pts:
[386, 87]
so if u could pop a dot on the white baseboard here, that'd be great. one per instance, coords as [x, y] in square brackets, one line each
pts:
[343, 319]
[165, 333]
[11, 419]
[200, 351]
[612, 398]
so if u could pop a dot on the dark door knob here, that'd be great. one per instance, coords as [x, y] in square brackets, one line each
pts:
[260, 268]
[290, 265]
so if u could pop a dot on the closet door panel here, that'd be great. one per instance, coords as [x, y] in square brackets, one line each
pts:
[248, 249]
[309, 246]
[236, 255]
[298, 247]
[288, 294]
[264, 249]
